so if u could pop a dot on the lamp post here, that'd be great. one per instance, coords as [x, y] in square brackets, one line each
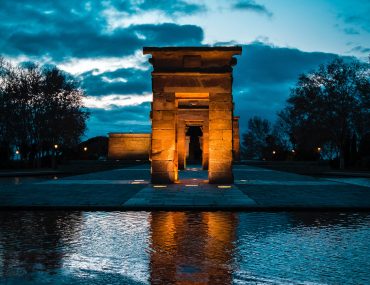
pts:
[85, 154]
[55, 156]
[17, 153]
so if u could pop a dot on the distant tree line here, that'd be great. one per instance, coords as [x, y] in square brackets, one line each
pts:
[41, 111]
[327, 116]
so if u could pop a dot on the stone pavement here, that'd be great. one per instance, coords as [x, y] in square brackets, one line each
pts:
[129, 189]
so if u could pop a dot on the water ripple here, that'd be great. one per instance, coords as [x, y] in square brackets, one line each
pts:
[58, 247]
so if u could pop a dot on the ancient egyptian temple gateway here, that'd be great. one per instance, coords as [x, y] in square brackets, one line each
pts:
[192, 115]
[192, 111]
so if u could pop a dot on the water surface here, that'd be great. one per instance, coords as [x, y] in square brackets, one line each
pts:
[50, 247]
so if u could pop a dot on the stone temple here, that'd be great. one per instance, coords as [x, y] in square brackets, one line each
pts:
[192, 115]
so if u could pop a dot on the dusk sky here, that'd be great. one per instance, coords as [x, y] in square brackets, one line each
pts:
[101, 42]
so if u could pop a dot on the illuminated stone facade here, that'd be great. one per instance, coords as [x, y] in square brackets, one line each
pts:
[128, 146]
[236, 139]
[192, 111]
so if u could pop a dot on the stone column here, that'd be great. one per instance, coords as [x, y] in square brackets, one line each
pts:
[220, 138]
[164, 151]
[236, 139]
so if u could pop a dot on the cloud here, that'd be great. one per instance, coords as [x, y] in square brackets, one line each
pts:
[171, 8]
[104, 64]
[88, 39]
[360, 49]
[267, 64]
[124, 81]
[119, 119]
[79, 43]
[351, 31]
[110, 102]
[65, 30]
[126, 13]
[264, 75]
[251, 5]
[79, 37]
[357, 21]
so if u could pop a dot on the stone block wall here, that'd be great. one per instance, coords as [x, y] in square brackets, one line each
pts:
[128, 146]
[220, 138]
[193, 73]
[164, 151]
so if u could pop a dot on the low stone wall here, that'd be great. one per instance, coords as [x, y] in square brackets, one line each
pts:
[128, 146]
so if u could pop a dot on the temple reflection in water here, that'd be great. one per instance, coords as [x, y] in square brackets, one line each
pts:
[192, 247]
[137, 248]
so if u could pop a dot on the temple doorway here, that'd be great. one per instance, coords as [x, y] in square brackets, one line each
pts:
[194, 145]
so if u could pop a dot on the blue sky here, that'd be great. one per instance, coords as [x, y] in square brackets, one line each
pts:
[100, 42]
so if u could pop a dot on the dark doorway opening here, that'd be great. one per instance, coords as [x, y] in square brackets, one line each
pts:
[194, 137]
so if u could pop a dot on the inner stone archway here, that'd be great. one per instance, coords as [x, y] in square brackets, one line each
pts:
[192, 88]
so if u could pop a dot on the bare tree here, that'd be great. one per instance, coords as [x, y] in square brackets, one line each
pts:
[255, 140]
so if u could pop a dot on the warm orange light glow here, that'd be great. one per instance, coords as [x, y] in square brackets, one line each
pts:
[223, 186]
[180, 95]
[55, 146]
[216, 222]
[319, 149]
[172, 239]
[85, 148]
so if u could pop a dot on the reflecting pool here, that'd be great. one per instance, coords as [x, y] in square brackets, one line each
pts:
[51, 247]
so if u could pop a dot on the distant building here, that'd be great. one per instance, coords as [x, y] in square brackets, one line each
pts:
[129, 146]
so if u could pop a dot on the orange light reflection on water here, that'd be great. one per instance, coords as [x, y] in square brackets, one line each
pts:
[192, 247]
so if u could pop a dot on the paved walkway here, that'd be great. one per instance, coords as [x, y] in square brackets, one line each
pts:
[129, 189]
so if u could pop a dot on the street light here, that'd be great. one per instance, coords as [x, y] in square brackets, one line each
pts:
[17, 151]
[54, 157]
[319, 149]
[85, 148]
[293, 151]
[273, 152]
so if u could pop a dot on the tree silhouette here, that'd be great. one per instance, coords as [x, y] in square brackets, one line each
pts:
[329, 106]
[264, 141]
[40, 107]
[255, 140]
